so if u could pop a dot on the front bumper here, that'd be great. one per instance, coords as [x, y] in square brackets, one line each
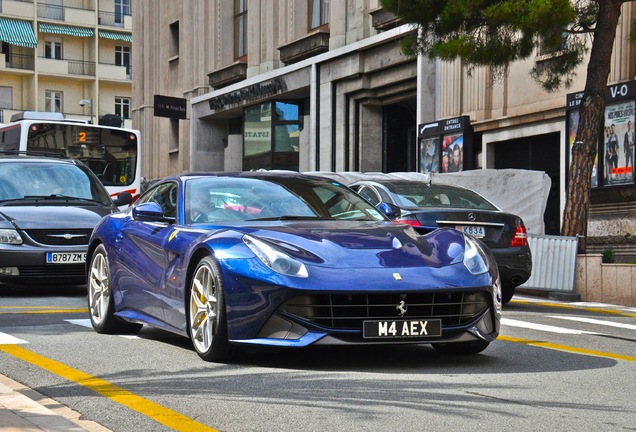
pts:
[465, 316]
[30, 264]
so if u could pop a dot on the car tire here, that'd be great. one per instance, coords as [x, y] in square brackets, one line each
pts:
[462, 348]
[207, 323]
[506, 293]
[101, 305]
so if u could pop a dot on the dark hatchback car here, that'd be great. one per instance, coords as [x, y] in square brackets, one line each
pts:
[428, 206]
[48, 209]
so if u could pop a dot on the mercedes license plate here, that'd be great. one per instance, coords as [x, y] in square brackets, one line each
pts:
[390, 329]
[474, 230]
[65, 257]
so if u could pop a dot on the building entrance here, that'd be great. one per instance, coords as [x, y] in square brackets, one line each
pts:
[399, 140]
[539, 153]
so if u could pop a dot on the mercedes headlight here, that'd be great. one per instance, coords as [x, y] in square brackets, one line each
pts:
[10, 236]
[275, 259]
[475, 258]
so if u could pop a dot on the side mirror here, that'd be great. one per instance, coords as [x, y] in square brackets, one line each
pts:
[390, 210]
[150, 212]
[123, 198]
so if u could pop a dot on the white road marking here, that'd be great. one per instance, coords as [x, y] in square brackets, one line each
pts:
[7, 339]
[595, 321]
[543, 327]
[86, 322]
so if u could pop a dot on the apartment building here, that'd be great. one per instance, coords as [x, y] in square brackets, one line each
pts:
[319, 85]
[68, 56]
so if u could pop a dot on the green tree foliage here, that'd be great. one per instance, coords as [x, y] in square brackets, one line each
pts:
[496, 33]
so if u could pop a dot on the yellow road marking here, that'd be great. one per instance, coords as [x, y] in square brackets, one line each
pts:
[158, 413]
[9, 310]
[574, 307]
[557, 347]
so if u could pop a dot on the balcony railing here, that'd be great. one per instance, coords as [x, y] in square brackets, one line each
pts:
[51, 12]
[78, 67]
[111, 19]
[73, 67]
[20, 61]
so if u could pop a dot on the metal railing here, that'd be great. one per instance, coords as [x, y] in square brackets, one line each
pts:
[79, 67]
[20, 61]
[553, 263]
[111, 18]
[51, 11]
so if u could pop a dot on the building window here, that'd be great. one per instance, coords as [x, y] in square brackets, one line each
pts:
[271, 137]
[122, 8]
[122, 107]
[173, 142]
[53, 101]
[174, 39]
[122, 55]
[240, 28]
[122, 58]
[53, 48]
[318, 13]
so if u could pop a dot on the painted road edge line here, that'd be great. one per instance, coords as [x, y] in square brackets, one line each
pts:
[566, 348]
[158, 413]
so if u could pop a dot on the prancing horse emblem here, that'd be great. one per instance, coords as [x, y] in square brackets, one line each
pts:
[401, 308]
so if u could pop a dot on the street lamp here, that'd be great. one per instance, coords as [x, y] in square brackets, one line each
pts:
[88, 102]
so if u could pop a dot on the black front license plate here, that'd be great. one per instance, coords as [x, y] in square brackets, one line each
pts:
[400, 329]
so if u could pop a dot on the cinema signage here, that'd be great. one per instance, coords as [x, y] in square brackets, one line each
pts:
[250, 94]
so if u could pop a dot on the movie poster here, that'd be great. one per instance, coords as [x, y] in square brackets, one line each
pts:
[429, 155]
[573, 126]
[618, 144]
[453, 153]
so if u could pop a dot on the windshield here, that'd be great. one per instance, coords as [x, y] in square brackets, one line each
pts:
[31, 179]
[272, 198]
[111, 153]
[415, 194]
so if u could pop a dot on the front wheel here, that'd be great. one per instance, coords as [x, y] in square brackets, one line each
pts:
[100, 298]
[207, 324]
[462, 348]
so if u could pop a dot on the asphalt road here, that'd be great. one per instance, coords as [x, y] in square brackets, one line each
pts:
[557, 366]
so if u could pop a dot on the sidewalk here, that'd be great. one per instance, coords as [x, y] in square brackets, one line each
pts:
[23, 409]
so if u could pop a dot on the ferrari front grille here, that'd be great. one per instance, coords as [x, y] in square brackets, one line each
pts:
[348, 311]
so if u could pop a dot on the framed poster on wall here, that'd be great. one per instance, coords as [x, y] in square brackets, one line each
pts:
[445, 146]
[614, 162]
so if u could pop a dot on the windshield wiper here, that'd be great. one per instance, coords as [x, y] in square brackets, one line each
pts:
[288, 218]
[58, 196]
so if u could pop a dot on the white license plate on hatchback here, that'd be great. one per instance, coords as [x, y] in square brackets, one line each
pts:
[474, 230]
[65, 257]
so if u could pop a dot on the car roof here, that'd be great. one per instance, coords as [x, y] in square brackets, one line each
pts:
[393, 182]
[35, 156]
[247, 174]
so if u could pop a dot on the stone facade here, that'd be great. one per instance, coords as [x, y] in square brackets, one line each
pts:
[355, 87]
[605, 283]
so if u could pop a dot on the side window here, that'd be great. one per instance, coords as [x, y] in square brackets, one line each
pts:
[166, 196]
[370, 195]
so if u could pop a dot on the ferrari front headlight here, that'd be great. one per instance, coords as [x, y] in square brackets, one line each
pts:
[10, 236]
[475, 258]
[275, 259]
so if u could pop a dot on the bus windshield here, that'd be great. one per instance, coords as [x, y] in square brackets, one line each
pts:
[110, 153]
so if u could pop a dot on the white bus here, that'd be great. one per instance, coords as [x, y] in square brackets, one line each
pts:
[112, 153]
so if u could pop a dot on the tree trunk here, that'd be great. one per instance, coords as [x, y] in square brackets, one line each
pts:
[591, 114]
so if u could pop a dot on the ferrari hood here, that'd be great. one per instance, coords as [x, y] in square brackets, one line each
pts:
[350, 235]
[53, 217]
[354, 243]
